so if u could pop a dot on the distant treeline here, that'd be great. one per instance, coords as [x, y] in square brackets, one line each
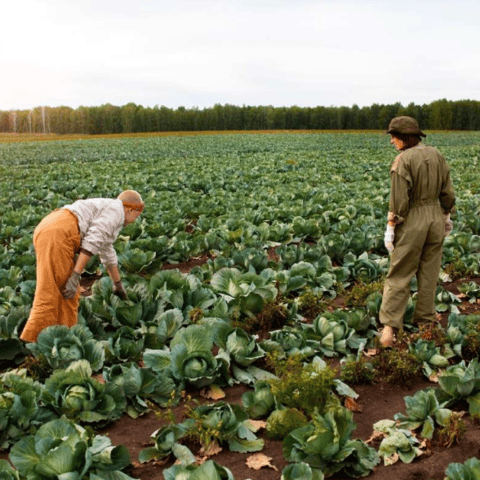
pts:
[132, 118]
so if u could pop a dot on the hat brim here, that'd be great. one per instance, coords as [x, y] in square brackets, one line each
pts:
[416, 132]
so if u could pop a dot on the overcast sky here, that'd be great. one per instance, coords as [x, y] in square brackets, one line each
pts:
[196, 53]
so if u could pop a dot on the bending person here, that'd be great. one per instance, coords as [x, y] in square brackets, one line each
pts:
[86, 227]
[421, 199]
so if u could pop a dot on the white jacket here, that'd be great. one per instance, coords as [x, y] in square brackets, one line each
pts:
[100, 221]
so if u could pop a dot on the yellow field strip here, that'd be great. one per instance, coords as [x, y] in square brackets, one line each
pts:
[40, 137]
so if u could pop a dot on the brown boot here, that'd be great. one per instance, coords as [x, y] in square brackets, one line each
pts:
[387, 338]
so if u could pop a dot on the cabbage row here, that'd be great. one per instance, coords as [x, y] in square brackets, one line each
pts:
[318, 202]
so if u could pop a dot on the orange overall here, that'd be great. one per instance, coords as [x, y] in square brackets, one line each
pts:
[56, 240]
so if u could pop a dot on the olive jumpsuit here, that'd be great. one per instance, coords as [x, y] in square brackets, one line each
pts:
[421, 193]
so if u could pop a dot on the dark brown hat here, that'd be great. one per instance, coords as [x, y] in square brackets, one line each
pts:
[405, 125]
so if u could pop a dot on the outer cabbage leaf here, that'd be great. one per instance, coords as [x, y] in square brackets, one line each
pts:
[191, 356]
[260, 402]
[61, 346]
[72, 392]
[139, 384]
[20, 408]
[421, 411]
[207, 471]
[325, 444]
[64, 449]
[470, 470]
[301, 471]
[461, 381]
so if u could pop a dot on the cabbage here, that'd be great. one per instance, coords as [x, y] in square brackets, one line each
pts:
[61, 345]
[73, 393]
[62, 449]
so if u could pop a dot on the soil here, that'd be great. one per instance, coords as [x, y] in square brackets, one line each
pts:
[376, 402]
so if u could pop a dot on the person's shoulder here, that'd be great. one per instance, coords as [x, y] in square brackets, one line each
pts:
[433, 152]
[396, 162]
[104, 202]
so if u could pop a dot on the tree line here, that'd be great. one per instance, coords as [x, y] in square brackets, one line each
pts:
[131, 118]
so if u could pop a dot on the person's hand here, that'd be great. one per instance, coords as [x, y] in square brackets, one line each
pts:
[71, 287]
[389, 238]
[448, 225]
[119, 291]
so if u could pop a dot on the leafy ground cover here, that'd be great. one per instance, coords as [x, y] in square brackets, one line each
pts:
[257, 255]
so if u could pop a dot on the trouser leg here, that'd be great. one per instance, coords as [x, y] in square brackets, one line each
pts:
[55, 239]
[404, 263]
[427, 276]
[68, 310]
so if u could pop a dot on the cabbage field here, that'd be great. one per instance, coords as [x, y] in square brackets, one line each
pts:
[249, 336]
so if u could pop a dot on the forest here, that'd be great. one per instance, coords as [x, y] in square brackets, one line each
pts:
[131, 118]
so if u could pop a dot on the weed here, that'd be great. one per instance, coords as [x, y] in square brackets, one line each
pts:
[195, 314]
[281, 422]
[396, 365]
[357, 372]
[358, 294]
[430, 331]
[453, 431]
[37, 367]
[210, 429]
[310, 305]
[303, 386]
[201, 433]
[273, 317]
[458, 268]
[166, 414]
[471, 345]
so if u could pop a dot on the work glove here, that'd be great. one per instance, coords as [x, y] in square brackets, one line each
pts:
[448, 225]
[389, 237]
[119, 291]
[71, 287]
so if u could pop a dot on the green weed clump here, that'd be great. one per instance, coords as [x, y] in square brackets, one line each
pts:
[471, 346]
[273, 317]
[357, 295]
[458, 269]
[166, 414]
[196, 314]
[37, 367]
[357, 372]
[281, 422]
[310, 305]
[396, 365]
[453, 431]
[304, 387]
[430, 331]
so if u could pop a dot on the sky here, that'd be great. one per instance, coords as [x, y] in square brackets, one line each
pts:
[197, 53]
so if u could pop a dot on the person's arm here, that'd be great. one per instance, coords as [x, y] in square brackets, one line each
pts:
[447, 196]
[398, 207]
[73, 282]
[399, 198]
[118, 288]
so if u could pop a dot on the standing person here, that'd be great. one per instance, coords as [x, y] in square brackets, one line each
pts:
[421, 199]
[86, 227]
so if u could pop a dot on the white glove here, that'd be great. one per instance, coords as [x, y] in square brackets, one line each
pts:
[448, 225]
[389, 237]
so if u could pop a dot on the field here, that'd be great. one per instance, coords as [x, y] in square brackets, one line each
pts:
[257, 256]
